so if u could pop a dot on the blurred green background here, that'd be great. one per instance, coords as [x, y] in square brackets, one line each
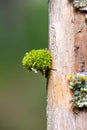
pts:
[23, 26]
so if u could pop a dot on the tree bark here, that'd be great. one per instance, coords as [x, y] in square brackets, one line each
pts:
[68, 45]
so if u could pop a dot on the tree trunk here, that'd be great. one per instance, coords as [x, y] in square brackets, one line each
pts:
[68, 45]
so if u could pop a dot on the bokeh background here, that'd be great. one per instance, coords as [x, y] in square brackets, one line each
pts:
[23, 27]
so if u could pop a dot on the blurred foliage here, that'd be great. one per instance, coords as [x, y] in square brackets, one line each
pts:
[23, 26]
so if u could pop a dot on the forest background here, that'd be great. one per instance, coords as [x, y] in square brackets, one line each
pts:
[23, 27]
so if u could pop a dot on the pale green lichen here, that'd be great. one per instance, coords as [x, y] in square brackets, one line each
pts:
[80, 3]
[37, 60]
[78, 84]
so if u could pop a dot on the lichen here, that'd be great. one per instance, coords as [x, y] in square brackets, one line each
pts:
[37, 61]
[81, 5]
[78, 84]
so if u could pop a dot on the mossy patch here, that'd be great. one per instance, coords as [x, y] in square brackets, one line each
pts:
[37, 61]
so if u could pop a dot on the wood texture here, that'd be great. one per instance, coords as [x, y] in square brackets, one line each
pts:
[68, 45]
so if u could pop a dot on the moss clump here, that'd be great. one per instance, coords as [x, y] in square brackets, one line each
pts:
[37, 60]
[78, 83]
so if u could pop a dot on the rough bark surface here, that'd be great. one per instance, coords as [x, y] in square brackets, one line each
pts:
[68, 45]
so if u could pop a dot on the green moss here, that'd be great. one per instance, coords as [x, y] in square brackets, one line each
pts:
[78, 84]
[37, 60]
